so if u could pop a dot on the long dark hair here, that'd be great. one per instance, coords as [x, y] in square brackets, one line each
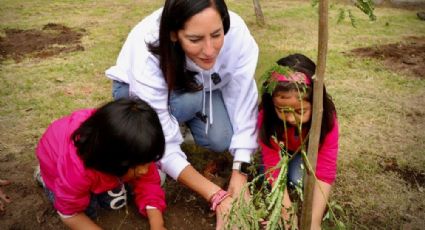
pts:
[171, 55]
[273, 125]
[120, 135]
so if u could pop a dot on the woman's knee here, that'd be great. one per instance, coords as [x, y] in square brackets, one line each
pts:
[220, 143]
[184, 106]
[120, 90]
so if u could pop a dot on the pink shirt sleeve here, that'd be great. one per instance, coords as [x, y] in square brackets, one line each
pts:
[72, 192]
[270, 156]
[61, 168]
[327, 156]
[148, 191]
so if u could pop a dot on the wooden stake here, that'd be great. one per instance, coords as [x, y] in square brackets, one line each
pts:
[313, 144]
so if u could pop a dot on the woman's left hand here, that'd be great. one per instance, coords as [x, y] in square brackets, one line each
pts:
[237, 182]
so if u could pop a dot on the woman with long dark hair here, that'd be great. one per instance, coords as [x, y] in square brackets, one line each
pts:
[193, 61]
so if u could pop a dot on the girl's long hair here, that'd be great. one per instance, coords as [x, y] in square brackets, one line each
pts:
[272, 125]
[171, 55]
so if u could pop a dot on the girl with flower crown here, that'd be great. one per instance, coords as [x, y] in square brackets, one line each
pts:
[284, 122]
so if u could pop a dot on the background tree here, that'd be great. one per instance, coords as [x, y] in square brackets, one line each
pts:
[259, 13]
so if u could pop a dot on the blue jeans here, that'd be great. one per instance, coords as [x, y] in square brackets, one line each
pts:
[113, 199]
[295, 172]
[186, 107]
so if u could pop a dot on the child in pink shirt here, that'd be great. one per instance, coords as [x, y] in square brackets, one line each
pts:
[285, 116]
[87, 157]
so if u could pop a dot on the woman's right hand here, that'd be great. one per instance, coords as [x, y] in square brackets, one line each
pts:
[221, 212]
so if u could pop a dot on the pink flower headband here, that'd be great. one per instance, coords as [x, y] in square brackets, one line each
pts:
[296, 77]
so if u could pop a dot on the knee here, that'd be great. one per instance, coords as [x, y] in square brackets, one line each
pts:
[184, 106]
[295, 181]
[220, 143]
[120, 90]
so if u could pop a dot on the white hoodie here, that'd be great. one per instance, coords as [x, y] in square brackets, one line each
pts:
[235, 64]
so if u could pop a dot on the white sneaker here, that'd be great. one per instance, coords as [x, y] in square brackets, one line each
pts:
[37, 176]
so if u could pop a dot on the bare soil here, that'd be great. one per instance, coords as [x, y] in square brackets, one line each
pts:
[51, 40]
[414, 178]
[186, 210]
[406, 56]
[30, 208]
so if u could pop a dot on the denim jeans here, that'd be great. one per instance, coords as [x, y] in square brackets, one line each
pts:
[186, 107]
[113, 199]
[295, 171]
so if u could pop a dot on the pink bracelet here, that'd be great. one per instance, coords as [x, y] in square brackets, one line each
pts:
[217, 198]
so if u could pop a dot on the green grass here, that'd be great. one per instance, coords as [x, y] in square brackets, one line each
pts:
[381, 113]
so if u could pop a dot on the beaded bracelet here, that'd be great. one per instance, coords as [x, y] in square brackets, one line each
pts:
[217, 198]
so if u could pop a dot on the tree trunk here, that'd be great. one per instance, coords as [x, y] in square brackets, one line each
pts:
[313, 144]
[258, 12]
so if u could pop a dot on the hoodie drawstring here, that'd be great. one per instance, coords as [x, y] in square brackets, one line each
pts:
[209, 118]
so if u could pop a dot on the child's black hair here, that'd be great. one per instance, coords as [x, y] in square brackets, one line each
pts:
[120, 135]
[273, 126]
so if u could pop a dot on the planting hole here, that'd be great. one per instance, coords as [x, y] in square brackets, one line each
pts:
[404, 56]
[51, 40]
[413, 177]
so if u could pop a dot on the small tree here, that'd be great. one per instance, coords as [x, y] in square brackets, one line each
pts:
[259, 13]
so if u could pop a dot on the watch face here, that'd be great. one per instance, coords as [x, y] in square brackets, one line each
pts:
[245, 168]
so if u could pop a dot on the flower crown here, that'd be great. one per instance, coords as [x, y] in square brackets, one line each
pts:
[278, 73]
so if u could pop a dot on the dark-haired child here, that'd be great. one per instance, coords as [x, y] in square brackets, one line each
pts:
[86, 157]
[285, 116]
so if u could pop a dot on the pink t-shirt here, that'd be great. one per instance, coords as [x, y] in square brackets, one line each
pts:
[326, 157]
[65, 175]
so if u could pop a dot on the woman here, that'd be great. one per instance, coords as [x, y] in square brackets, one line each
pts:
[193, 61]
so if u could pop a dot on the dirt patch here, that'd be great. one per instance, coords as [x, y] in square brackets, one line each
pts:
[407, 56]
[51, 40]
[30, 208]
[414, 178]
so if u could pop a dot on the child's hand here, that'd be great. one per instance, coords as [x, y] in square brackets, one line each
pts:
[291, 220]
[3, 196]
[80, 221]
[158, 228]
[155, 219]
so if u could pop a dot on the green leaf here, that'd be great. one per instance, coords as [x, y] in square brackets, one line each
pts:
[367, 7]
[341, 15]
[352, 19]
